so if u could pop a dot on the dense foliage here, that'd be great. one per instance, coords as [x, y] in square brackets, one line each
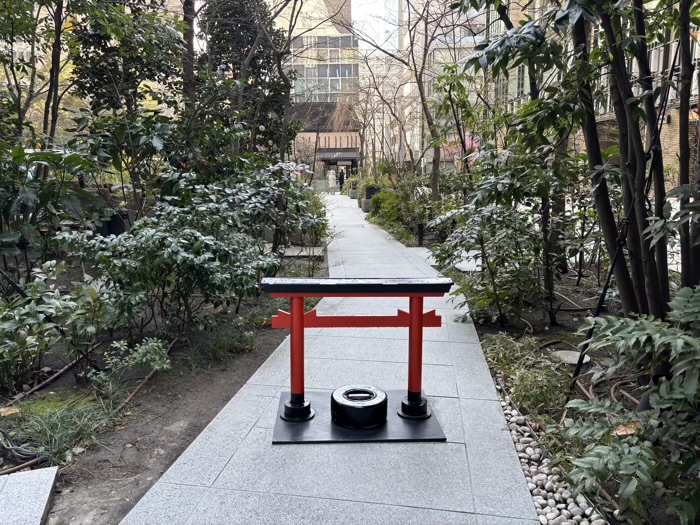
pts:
[650, 453]
[150, 173]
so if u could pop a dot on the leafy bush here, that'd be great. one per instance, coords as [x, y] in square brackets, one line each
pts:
[192, 251]
[503, 240]
[47, 318]
[651, 454]
[38, 192]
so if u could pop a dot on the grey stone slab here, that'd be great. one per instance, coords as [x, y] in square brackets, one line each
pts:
[232, 507]
[362, 303]
[329, 374]
[438, 334]
[366, 333]
[474, 380]
[407, 273]
[165, 504]
[352, 310]
[500, 520]
[462, 333]
[425, 475]
[394, 350]
[25, 496]
[498, 483]
[275, 371]
[208, 454]
[258, 390]
[449, 414]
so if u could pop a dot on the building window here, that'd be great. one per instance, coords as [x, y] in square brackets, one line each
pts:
[521, 81]
[501, 89]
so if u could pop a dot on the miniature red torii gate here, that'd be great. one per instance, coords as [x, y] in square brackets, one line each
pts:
[414, 406]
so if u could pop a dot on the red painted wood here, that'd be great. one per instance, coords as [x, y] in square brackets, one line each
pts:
[415, 346]
[401, 320]
[296, 345]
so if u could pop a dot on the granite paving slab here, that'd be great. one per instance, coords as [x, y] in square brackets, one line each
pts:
[233, 474]
[367, 472]
[25, 496]
[234, 507]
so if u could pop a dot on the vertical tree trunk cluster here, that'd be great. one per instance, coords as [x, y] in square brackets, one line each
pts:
[642, 274]
[690, 253]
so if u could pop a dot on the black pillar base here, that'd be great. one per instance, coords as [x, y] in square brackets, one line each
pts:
[297, 411]
[414, 406]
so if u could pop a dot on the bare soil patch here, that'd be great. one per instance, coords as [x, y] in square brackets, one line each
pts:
[101, 486]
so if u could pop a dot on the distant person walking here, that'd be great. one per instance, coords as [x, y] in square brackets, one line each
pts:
[341, 179]
[331, 182]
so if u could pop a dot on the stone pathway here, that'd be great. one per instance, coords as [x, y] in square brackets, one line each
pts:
[25, 496]
[232, 474]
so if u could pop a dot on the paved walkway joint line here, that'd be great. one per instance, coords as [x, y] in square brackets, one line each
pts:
[232, 474]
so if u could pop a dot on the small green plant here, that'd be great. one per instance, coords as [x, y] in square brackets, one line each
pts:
[649, 454]
[532, 377]
[150, 354]
[57, 435]
[221, 343]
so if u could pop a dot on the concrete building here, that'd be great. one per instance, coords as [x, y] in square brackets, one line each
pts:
[447, 38]
[325, 64]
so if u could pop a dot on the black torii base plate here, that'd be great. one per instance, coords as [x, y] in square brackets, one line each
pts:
[321, 429]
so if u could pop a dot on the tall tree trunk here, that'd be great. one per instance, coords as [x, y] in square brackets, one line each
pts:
[52, 95]
[601, 196]
[435, 174]
[634, 243]
[549, 237]
[284, 132]
[646, 81]
[690, 275]
[188, 84]
[435, 138]
[637, 164]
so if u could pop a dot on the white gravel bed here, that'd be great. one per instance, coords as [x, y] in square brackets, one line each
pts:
[554, 502]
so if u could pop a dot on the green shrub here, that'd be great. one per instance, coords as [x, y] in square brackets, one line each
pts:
[504, 241]
[651, 454]
[49, 319]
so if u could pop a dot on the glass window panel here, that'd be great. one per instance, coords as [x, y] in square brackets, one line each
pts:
[323, 71]
[334, 70]
[346, 69]
[346, 41]
[334, 54]
[334, 41]
[355, 70]
[335, 85]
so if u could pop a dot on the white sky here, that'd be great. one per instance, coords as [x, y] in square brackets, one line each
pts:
[370, 16]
